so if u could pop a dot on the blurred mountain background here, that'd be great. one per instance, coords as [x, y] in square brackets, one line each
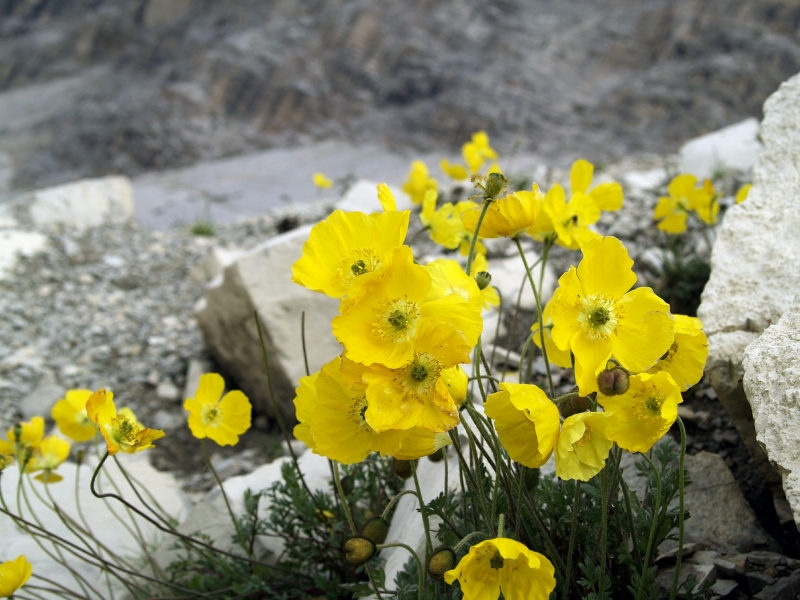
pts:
[92, 87]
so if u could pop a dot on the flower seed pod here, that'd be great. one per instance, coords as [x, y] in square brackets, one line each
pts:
[375, 530]
[359, 550]
[436, 456]
[348, 483]
[531, 480]
[440, 562]
[613, 382]
[495, 184]
[483, 279]
[573, 406]
[402, 468]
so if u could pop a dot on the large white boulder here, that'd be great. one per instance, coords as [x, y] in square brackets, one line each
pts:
[261, 281]
[755, 263]
[363, 196]
[15, 243]
[733, 147]
[772, 384]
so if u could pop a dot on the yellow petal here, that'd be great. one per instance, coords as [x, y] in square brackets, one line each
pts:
[210, 388]
[645, 332]
[606, 268]
[100, 407]
[386, 198]
[608, 196]
[580, 176]
[682, 185]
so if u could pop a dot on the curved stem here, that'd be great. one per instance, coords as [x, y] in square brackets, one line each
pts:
[538, 315]
[420, 569]
[681, 486]
[656, 510]
[239, 534]
[393, 501]
[425, 522]
[471, 255]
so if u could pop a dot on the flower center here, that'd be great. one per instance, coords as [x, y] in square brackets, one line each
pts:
[358, 262]
[653, 404]
[669, 354]
[496, 562]
[598, 316]
[683, 204]
[211, 415]
[123, 430]
[357, 411]
[587, 436]
[420, 375]
[397, 319]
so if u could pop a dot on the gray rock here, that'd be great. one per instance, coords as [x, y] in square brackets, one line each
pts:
[42, 398]
[723, 587]
[755, 264]
[702, 573]
[15, 243]
[786, 588]
[166, 390]
[261, 281]
[772, 384]
[758, 581]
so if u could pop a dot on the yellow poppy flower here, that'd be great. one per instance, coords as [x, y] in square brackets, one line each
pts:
[642, 415]
[305, 402]
[583, 446]
[447, 277]
[414, 394]
[453, 171]
[30, 436]
[381, 324]
[419, 182]
[420, 442]
[48, 456]
[672, 210]
[321, 181]
[503, 565]
[13, 575]
[706, 204]
[743, 192]
[121, 431]
[566, 222]
[212, 415]
[6, 460]
[338, 424]
[466, 236]
[443, 227]
[510, 216]
[686, 358]
[555, 355]
[346, 246]
[457, 382]
[477, 151]
[386, 198]
[69, 413]
[607, 196]
[595, 315]
[526, 420]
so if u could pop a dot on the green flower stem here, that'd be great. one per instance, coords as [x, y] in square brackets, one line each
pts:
[338, 481]
[470, 477]
[278, 413]
[420, 568]
[681, 486]
[572, 534]
[474, 241]
[425, 521]
[158, 511]
[539, 314]
[603, 529]
[629, 513]
[393, 501]
[653, 526]
[239, 533]
[520, 492]
[568, 396]
[303, 340]
[466, 539]
[501, 525]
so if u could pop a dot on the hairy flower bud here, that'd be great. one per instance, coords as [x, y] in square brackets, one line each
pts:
[348, 483]
[573, 406]
[375, 530]
[613, 382]
[402, 468]
[440, 562]
[436, 456]
[483, 279]
[531, 480]
[359, 550]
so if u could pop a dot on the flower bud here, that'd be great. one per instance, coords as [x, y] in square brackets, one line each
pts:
[348, 483]
[613, 382]
[483, 279]
[573, 406]
[5, 460]
[359, 550]
[402, 468]
[495, 184]
[531, 480]
[375, 530]
[436, 456]
[442, 561]
[79, 456]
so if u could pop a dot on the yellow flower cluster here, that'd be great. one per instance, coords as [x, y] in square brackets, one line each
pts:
[34, 452]
[685, 196]
[405, 328]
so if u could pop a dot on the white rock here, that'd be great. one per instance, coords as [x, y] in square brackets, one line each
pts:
[214, 263]
[755, 263]
[15, 243]
[508, 276]
[261, 281]
[363, 196]
[733, 147]
[41, 400]
[646, 180]
[772, 384]
[79, 205]
[102, 521]
[166, 390]
[193, 373]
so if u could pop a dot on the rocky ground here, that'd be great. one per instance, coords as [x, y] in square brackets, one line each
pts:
[94, 87]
